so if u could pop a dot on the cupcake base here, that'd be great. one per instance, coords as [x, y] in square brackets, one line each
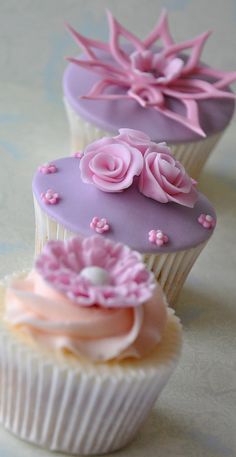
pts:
[193, 155]
[170, 269]
[62, 404]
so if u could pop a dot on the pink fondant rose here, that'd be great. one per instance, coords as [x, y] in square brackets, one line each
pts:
[111, 164]
[135, 138]
[164, 179]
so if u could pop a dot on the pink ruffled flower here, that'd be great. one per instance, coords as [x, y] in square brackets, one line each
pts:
[69, 268]
[48, 168]
[111, 164]
[99, 225]
[157, 237]
[164, 179]
[207, 221]
[50, 197]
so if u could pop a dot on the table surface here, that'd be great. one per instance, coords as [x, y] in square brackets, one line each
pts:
[195, 415]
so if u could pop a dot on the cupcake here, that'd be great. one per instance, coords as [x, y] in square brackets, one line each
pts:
[127, 189]
[87, 344]
[170, 95]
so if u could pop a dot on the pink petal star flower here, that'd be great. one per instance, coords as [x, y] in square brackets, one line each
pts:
[151, 75]
[207, 221]
[50, 197]
[99, 225]
[157, 237]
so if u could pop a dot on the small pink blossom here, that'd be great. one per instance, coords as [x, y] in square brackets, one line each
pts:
[158, 237]
[50, 197]
[99, 225]
[48, 168]
[78, 154]
[207, 221]
[62, 265]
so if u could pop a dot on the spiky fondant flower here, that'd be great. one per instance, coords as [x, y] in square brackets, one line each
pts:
[154, 77]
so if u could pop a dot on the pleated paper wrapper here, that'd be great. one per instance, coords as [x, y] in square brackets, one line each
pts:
[66, 405]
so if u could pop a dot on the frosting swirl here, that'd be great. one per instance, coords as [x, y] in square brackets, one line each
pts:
[53, 318]
[96, 333]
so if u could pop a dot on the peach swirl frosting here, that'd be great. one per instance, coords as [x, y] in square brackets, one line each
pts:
[90, 297]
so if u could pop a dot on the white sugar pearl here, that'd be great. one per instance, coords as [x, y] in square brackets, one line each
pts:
[96, 275]
[208, 218]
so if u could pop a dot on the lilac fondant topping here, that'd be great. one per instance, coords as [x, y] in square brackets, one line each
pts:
[111, 115]
[151, 76]
[130, 214]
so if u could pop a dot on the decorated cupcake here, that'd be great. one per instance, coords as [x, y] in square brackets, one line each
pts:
[150, 85]
[127, 189]
[87, 344]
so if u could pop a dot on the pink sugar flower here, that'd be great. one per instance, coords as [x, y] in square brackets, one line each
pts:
[48, 168]
[164, 178]
[207, 221]
[96, 271]
[158, 237]
[50, 197]
[99, 225]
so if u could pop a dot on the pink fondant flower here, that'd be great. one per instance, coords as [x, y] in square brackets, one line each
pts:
[135, 138]
[96, 271]
[99, 225]
[154, 76]
[157, 237]
[48, 168]
[50, 197]
[207, 221]
[164, 179]
[111, 164]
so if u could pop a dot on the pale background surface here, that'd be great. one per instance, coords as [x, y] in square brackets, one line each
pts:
[196, 414]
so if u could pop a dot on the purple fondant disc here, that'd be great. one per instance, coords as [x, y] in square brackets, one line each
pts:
[130, 214]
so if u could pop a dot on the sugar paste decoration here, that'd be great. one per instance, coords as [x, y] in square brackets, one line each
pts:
[111, 164]
[50, 197]
[154, 76]
[48, 168]
[158, 237]
[88, 284]
[78, 154]
[99, 225]
[207, 221]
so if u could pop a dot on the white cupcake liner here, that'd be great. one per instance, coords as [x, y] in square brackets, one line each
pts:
[77, 407]
[171, 269]
[193, 155]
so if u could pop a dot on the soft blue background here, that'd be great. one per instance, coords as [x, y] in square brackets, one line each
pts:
[195, 416]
